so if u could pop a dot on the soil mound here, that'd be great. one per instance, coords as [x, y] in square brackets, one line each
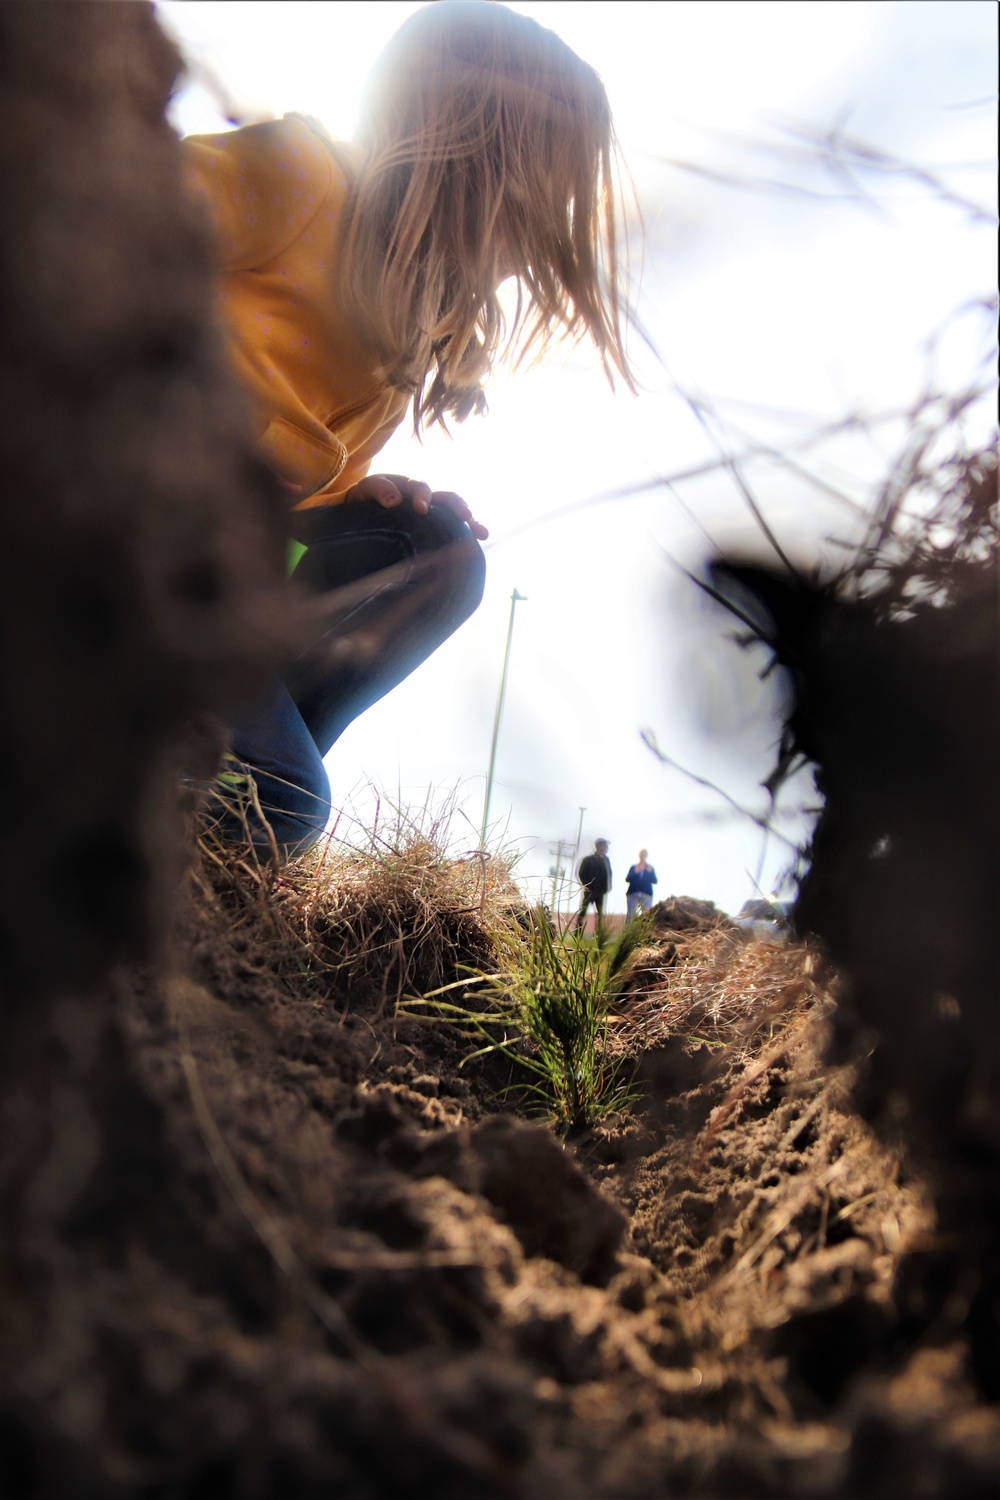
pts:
[312, 1226]
[895, 667]
[687, 914]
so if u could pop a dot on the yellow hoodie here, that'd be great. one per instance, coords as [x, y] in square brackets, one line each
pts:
[276, 194]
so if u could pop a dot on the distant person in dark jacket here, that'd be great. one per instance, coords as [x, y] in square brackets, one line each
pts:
[639, 884]
[594, 875]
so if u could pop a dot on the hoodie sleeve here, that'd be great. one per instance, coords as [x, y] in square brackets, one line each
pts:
[360, 458]
[260, 185]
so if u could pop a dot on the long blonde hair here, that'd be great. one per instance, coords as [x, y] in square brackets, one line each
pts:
[490, 153]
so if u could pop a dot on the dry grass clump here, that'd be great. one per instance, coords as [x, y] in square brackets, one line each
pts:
[719, 989]
[933, 537]
[397, 914]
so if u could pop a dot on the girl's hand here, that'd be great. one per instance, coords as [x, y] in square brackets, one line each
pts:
[459, 508]
[390, 490]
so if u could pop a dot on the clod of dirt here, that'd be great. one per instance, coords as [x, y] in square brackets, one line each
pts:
[551, 1205]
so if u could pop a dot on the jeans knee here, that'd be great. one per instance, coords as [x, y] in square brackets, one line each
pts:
[470, 575]
[466, 560]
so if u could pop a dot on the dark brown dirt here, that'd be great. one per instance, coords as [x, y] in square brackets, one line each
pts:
[896, 673]
[314, 1260]
[141, 555]
[260, 1235]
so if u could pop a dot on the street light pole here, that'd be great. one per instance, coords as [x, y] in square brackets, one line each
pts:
[515, 596]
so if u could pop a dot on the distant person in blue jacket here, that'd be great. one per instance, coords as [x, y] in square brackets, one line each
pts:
[639, 884]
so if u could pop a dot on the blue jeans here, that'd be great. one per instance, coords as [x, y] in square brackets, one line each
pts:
[394, 585]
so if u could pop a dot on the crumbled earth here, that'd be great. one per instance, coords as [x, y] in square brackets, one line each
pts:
[317, 1255]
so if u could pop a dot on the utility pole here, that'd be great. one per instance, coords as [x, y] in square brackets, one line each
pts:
[579, 835]
[514, 598]
[558, 870]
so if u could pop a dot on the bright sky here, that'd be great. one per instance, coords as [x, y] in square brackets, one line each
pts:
[785, 307]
